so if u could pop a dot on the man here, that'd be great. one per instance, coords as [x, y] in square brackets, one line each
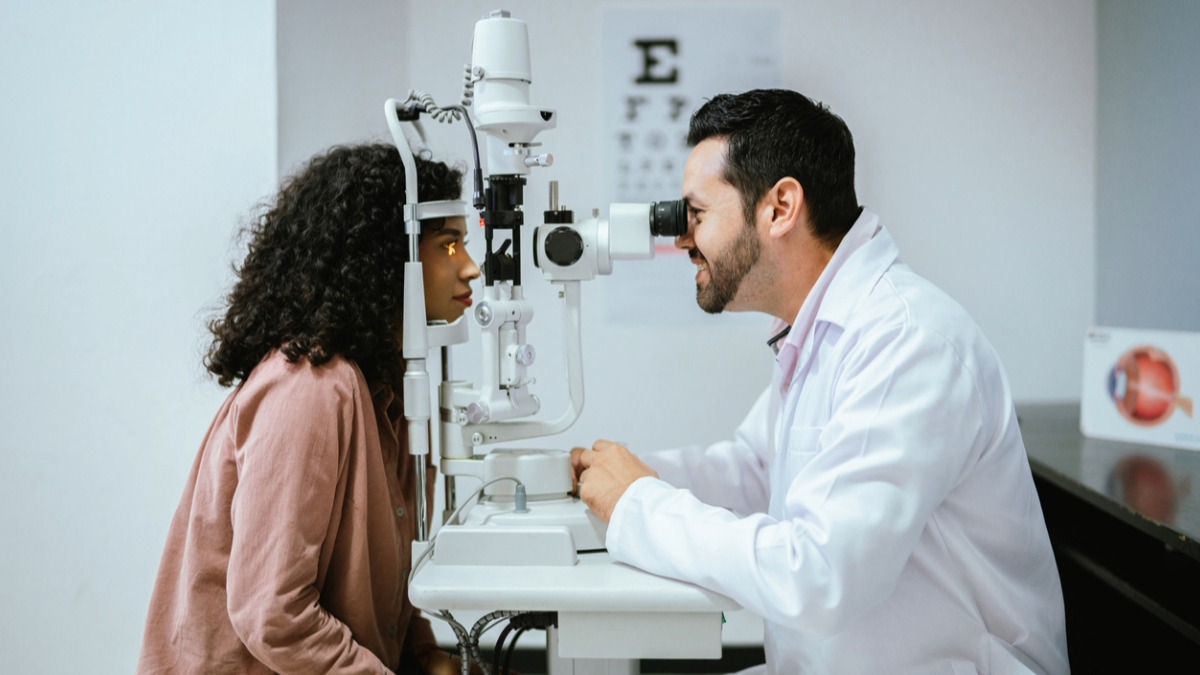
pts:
[876, 506]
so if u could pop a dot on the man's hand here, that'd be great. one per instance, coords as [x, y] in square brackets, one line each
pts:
[604, 473]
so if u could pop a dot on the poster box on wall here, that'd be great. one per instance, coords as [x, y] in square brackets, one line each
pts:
[1139, 385]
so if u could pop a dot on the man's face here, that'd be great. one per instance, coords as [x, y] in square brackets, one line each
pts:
[722, 245]
[448, 271]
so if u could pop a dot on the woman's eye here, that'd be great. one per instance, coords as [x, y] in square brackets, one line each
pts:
[452, 248]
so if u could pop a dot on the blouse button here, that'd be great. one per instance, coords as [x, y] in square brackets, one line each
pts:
[400, 511]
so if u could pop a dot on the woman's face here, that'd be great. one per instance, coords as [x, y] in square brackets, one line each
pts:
[448, 270]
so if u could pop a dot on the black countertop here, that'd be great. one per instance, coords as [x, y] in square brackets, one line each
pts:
[1153, 488]
[1124, 521]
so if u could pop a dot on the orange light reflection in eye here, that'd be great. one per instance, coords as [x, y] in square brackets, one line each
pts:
[452, 248]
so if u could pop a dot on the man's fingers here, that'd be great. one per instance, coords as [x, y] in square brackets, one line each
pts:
[586, 459]
[582, 486]
[576, 467]
[602, 444]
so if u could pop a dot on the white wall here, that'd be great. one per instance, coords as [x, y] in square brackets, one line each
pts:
[975, 127]
[338, 62]
[1148, 168]
[135, 136]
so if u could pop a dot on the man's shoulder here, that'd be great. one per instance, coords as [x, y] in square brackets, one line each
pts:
[901, 296]
[905, 308]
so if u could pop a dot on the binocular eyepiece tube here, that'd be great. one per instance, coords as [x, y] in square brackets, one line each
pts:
[668, 218]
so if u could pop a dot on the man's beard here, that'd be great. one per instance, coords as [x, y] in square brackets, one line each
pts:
[725, 274]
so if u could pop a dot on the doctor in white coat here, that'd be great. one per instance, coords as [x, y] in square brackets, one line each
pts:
[876, 506]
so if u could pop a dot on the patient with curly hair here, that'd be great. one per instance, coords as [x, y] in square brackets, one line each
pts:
[290, 549]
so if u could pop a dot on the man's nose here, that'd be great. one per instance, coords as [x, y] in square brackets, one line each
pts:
[685, 241]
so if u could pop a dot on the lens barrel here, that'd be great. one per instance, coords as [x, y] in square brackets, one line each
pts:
[668, 219]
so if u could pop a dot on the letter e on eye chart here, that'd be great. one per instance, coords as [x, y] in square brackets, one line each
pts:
[660, 65]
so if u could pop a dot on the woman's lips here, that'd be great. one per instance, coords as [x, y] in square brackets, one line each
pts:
[465, 299]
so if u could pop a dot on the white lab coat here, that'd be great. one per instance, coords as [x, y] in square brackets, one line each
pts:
[876, 506]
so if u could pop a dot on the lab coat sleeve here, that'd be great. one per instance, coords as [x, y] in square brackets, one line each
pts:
[290, 456]
[905, 418]
[730, 474]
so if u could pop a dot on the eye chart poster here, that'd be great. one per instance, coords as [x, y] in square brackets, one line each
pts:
[660, 65]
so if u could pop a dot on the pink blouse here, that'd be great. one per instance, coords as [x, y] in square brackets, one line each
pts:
[290, 549]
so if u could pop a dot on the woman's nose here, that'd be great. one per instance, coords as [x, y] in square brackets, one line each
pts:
[470, 270]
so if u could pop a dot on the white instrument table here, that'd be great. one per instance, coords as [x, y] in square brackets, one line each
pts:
[606, 611]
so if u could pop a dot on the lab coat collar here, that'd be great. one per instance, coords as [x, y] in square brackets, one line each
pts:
[837, 291]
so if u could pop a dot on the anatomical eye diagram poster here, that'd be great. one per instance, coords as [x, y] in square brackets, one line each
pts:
[1141, 385]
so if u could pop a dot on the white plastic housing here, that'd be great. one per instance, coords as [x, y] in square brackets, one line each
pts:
[500, 61]
[629, 236]
[504, 546]
[545, 473]
[624, 235]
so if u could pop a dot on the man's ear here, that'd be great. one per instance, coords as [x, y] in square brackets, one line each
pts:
[783, 207]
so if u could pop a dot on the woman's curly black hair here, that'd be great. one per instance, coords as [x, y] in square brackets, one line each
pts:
[324, 273]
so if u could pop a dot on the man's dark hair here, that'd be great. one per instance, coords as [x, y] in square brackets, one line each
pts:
[775, 133]
[324, 273]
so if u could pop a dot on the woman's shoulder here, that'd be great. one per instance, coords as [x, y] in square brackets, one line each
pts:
[337, 380]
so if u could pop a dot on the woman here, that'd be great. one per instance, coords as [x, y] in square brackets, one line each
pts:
[290, 549]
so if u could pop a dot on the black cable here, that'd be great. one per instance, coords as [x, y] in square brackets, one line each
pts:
[485, 623]
[477, 174]
[522, 622]
[500, 646]
[509, 653]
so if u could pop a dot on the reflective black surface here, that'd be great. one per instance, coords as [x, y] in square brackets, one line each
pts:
[1152, 487]
[1123, 520]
